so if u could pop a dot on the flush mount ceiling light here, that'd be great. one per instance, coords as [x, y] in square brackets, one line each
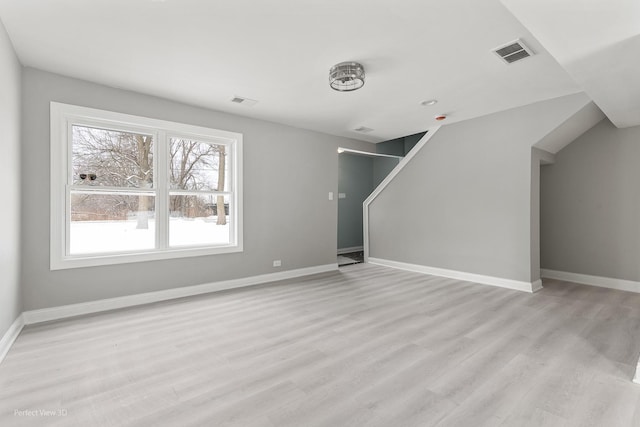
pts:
[346, 76]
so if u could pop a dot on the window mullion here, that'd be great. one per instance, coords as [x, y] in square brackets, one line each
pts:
[199, 193]
[68, 154]
[130, 191]
[109, 222]
[161, 170]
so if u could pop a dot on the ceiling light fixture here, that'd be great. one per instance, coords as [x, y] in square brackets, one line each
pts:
[429, 102]
[346, 76]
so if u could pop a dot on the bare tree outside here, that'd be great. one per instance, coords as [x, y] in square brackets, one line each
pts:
[197, 166]
[143, 143]
[119, 159]
[222, 219]
[107, 158]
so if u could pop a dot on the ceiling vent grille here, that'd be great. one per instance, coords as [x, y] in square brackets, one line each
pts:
[363, 129]
[512, 52]
[244, 101]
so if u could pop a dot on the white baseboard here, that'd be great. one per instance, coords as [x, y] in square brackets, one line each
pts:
[10, 336]
[55, 313]
[351, 249]
[536, 286]
[460, 275]
[585, 279]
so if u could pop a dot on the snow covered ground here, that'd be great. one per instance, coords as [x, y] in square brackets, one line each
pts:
[88, 237]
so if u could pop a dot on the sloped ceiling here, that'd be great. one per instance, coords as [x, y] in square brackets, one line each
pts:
[568, 131]
[597, 42]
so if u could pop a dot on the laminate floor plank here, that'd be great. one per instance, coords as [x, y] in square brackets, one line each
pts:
[365, 346]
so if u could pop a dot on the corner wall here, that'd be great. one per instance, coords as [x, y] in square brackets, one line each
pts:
[538, 158]
[464, 202]
[590, 206]
[288, 173]
[10, 84]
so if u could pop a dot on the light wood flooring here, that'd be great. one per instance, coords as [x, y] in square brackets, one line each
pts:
[368, 346]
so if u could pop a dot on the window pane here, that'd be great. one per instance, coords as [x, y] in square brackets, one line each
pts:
[195, 220]
[111, 223]
[197, 165]
[111, 158]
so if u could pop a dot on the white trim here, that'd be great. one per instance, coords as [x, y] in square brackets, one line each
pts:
[461, 275]
[585, 279]
[545, 157]
[63, 116]
[54, 313]
[367, 153]
[403, 162]
[152, 255]
[348, 250]
[536, 286]
[10, 336]
[636, 379]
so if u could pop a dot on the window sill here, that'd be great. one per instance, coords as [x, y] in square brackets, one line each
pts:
[102, 259]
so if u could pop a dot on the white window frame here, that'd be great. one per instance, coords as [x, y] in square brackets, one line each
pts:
[64, 116]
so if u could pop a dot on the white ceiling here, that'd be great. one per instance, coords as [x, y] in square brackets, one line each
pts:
[204, 52]
[598, 43]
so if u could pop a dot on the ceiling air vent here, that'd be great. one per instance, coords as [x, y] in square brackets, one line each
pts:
[244, 101]
[514, 51]
[363, 129]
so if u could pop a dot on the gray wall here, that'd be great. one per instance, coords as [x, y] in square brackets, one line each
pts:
[464, 201]
[394, 147]
[590, 205]
[399, 146]
[10, 294]
[358, 176]
[356, 181]
[382, 166]
[411, 141]
[538, 158]
[288, 173]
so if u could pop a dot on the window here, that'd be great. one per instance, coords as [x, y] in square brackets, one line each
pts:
[127, 189]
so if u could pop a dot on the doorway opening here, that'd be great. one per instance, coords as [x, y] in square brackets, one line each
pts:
[359, 173]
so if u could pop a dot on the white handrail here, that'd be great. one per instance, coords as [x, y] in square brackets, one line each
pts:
[367, 153]
[403, 162]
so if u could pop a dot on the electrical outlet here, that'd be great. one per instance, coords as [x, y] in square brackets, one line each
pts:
[342, 195]
[277, 263]
[330, 195]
